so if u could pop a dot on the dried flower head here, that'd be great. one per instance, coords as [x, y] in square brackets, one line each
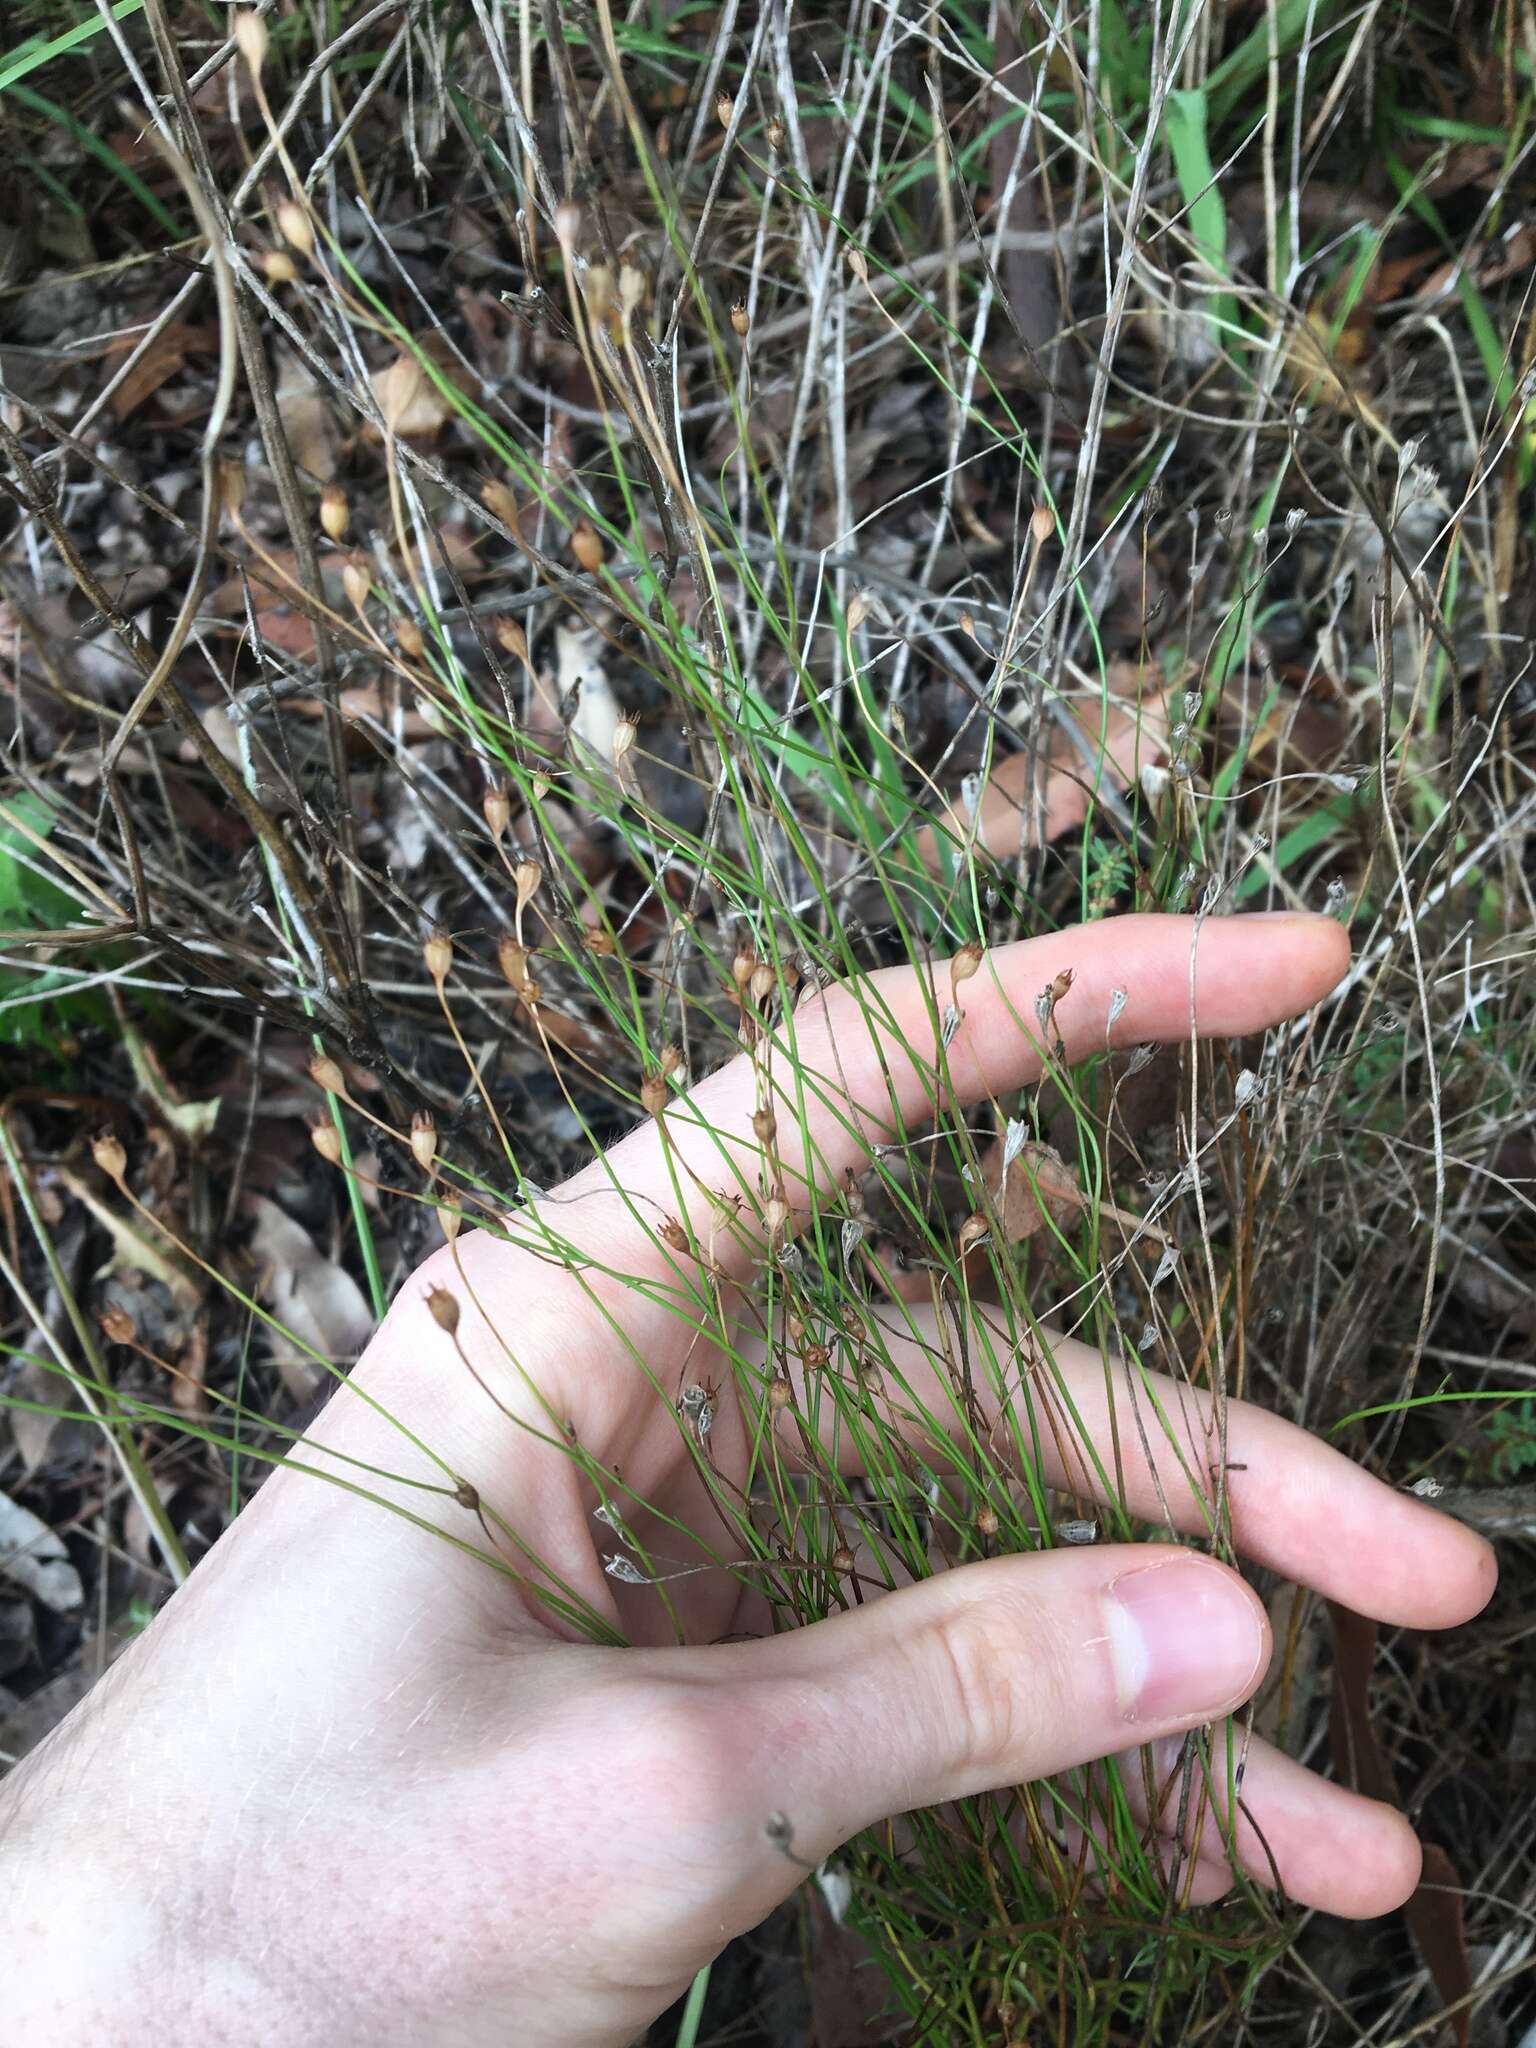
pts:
[437, 952]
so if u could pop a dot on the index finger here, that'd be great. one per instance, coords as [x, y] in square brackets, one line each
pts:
[862, 1063]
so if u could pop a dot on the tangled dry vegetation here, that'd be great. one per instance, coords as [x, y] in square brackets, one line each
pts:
[684, 504]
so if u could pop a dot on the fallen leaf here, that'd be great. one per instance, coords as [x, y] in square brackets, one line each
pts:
[32, 1557]
[306, 416]
[135, 1249]
[1434, 1912]
[319, 1304]
[159, 363]
[583, 683]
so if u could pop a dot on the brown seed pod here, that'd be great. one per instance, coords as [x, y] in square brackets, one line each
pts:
[445, 1309]
[780, 1392]
[278, 266]
[511, 638]
[293, 224]
[725, 107]
[986, 1521]
[108, 1153]
[355, 583]
[498, 500]
[815, 1358]
[423, 1140]
[973, 1231]
[326, 1139]
[335, 512]
[1061, 985]
[437, 952]
[765, 1126]
[653, 1094]
[741, 319]
[409, 640]
[774, 133]
[117, 1326]
[965, 963]
[326, 1074]
[512, 959]
[672, 1233]
[587, 547]
[778, 1216]
[842, 1560]
[451, 1216]
[671, 1060]
[498, 811]
[251, 38]
[527, 876]
[1042, 524]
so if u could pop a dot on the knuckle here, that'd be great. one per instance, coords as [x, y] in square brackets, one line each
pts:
[995, 1674]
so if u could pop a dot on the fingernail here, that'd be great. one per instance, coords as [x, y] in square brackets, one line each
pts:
[1185, 1639]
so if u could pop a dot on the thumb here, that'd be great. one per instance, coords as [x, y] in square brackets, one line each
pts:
[985, 1677]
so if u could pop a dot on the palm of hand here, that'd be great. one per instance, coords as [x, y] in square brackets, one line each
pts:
[556, 1835]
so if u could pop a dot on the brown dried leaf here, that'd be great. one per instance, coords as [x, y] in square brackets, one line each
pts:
[306, 418]
[1434, 1911]
[1038, 1182]
[315, 1300]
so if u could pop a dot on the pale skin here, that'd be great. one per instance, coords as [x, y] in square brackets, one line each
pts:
[355, 1786]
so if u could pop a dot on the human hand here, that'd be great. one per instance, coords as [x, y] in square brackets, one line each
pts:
[354, 1785]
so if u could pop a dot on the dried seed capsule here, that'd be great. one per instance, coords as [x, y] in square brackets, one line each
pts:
[780, 1393]
[445, 1309]
[354, 582]
[511, 638]
[408, 639]
[499, 502]
[326, 1074]
[251, 38]
[450, 1216]
[278, 267]
[437, 952]
[671, 1060]
[965, 963]
[117, 1326]
[986, 1521]
[777, 1216]
[527, 877]
[672, 1233]
[335, 512]
[293, 224]
[741, 319]
[1042, 524]
[774, 131]
[107, 1151]
[653, 1094]
[765, 1125]
[725, 107]
[423, 1140]
[972, 1232]
[498, 811]
[512, 958]
[842, 1560]
[586, 547]
[326, 1140]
